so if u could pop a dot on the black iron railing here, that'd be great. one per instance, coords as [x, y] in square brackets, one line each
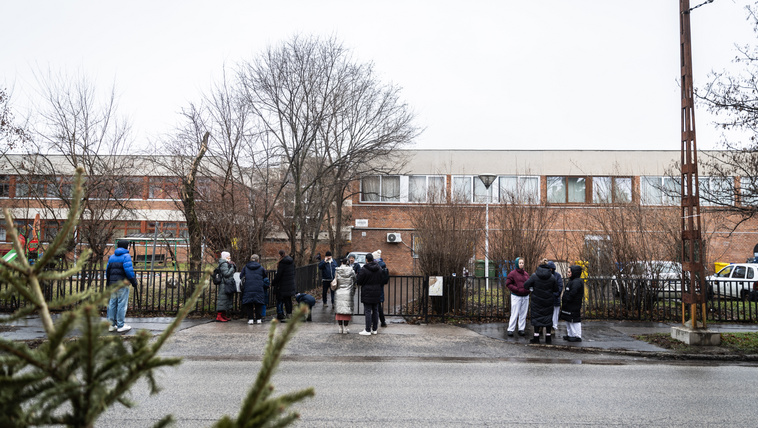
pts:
[465, 299]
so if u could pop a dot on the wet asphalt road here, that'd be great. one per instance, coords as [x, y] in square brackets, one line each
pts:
[440, 375]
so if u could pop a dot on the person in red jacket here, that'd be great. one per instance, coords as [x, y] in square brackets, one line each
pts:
[519, 297]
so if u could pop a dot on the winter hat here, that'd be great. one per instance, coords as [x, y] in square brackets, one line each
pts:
[122, 243]
[225, 255]
[377, 254]
[516, 262]
[328, 254]
[369, 257]
[551, 265]
[576, 271]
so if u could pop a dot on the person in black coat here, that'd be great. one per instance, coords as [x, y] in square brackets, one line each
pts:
[571, 311]
[284, 284]
[370, 281]
[543, 286]
[254, 280]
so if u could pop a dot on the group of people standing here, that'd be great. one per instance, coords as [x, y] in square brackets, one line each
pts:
[340, 281]
[548, 298]
[255, 286]
[343, 279]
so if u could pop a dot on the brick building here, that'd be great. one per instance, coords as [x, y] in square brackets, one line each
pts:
[573, 183]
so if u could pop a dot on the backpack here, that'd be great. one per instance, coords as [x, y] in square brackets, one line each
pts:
[385, 275]
[217, 277]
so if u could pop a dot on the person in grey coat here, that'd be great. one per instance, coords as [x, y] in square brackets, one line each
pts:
[344, 295]
[543, 287]
[227, 288]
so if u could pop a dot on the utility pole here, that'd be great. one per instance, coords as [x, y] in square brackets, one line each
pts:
[692, 251]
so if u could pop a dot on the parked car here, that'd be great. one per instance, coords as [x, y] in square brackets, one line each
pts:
[360, 257]
[661, 277]
[734, 281]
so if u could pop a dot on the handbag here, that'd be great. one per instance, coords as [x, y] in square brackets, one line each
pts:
[334, 284]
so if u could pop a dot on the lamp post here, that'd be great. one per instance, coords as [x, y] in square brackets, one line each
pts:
[487, 180]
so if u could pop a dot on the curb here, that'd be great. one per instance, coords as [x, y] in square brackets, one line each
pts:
[658, 355]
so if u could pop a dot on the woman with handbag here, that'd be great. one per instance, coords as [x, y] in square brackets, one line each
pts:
[343, 287]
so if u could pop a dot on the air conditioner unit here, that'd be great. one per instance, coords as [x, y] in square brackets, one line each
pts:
[394, 237]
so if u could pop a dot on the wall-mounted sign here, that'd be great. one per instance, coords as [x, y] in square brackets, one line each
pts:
[361, 222]
[435, 286]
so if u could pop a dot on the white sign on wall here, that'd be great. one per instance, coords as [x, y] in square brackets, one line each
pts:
[361, 222]
[435, 286]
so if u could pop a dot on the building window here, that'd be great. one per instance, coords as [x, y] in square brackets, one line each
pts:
[716, 191]
[519, 190]
[5, 186]
[380, 188]
[60, 188]
[749, 191]
[131, 188]
[51, 230]
[606, 190]
[163, 188]
[463, 189]
[561, 190]
[657, 190]
[426, 188]
[30, 186]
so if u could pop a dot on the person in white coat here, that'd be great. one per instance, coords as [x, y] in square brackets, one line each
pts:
[343, 287]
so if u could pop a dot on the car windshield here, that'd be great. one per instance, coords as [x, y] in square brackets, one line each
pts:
[359, 258]
[724, 273]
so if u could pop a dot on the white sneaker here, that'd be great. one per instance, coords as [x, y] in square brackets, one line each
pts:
[111, 328]
[342, 329]
[365, 333]
[124, 329]
[250, 322]
[373, 331]
[259, 322]
[347, 330]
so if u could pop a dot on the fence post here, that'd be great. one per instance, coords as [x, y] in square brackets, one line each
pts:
[425, 298]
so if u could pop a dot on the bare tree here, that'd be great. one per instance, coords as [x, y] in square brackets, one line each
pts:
[520, 228]
[74, 127]
[328, 118]
[732, 184]
[11, 133]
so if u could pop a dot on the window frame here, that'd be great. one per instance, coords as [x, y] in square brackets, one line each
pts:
[565, 179]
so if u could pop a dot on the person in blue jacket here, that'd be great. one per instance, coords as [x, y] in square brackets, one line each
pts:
[306, 299]
[254, 281]
[327, 268]
[118, 269]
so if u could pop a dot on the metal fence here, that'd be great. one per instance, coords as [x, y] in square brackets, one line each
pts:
[466, 299]
[156, 293]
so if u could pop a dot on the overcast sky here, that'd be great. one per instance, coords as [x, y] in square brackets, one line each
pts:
[499, 74]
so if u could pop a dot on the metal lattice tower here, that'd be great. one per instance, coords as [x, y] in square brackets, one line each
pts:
[692, 251]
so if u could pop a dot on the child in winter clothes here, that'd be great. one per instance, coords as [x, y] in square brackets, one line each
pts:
[571, 311]
[307, 299]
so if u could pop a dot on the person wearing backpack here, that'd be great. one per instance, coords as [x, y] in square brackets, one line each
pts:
[254, 281]
[327, 268]
[226, 288]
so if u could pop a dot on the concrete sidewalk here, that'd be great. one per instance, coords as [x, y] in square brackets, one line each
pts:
[409, 340]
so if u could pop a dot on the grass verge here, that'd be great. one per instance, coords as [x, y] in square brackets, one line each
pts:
[731, 343]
